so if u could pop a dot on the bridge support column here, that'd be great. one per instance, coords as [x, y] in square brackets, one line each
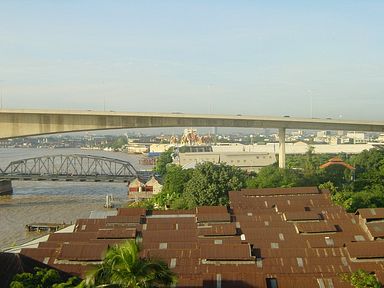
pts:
[6, 187]
[281, 147]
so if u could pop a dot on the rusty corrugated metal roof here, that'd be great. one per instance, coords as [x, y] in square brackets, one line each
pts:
[315, 227]
[302, 216]
[134, 219]
[255, 233]
[226, 252]
[371, 213]
[366, 249]
[131, 212]
[116, 233]
[82, 252]
[280, 191]
[228, 229]
[376, 229]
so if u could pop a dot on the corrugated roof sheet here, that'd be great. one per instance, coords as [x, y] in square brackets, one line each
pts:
[376, 229]
[82, 252]
[173, 212]
[302, 216]
[204, 252]
[131, 211]
[216, 217]
[226, 252]
[228, 229]
[124, 219]
[169, 236]
[116, 233]
[211, 210]
[371, 213]
[76, 236]
[366, 249]
[315, 227]
[280, 191]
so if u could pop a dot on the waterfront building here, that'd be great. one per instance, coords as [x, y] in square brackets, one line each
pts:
[143, 189]
[248, 161]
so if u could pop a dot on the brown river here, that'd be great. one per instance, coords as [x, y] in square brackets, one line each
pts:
[53, 202]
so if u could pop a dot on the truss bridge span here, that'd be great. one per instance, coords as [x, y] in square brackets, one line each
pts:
[73, 167]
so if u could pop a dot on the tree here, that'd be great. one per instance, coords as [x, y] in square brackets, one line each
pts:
[330, 186]
[210, 184]
[123, 267]
[273, 176]
[361, 279]
[42, 278]
[310, 166]
[369, 169]
[161, 163]
[175, 179]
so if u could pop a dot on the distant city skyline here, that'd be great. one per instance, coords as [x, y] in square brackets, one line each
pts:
[298, 58]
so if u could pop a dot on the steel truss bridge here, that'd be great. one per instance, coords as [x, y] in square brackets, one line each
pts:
[73, 167]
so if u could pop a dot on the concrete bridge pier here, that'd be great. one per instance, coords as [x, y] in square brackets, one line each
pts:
[281, 147]
[6, 187]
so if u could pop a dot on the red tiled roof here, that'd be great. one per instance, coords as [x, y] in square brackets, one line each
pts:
[336, 161]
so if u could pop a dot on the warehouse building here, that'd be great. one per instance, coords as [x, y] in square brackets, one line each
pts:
[278, 237]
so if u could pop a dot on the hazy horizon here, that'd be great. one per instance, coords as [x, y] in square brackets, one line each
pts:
[298, 58]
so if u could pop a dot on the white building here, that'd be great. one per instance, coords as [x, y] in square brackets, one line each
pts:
[357, 137]
[249, 161]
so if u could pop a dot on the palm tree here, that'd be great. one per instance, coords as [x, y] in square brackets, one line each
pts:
[123, 267]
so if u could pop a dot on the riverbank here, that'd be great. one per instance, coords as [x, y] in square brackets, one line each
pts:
[53, 202]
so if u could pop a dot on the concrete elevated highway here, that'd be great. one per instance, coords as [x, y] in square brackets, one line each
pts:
[20, 123]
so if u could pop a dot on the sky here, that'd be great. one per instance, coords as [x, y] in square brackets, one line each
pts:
[299, 58]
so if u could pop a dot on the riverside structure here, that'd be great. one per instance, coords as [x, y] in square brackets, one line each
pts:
[18, 123]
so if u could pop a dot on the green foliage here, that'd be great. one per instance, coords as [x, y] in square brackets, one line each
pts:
[174, 184]
[367, 191]
[329, 186]
[361, 279]
[176, 179]
[210, 184]
[42, 278]
[273, 176]
[352, 201]
[71, 282]
[207, 184]
[369, 169]
[161, 163]
[123, 267]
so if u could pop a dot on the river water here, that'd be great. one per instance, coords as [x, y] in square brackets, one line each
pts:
[53, 202]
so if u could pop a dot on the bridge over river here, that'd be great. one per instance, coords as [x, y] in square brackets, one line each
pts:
[73, 167]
